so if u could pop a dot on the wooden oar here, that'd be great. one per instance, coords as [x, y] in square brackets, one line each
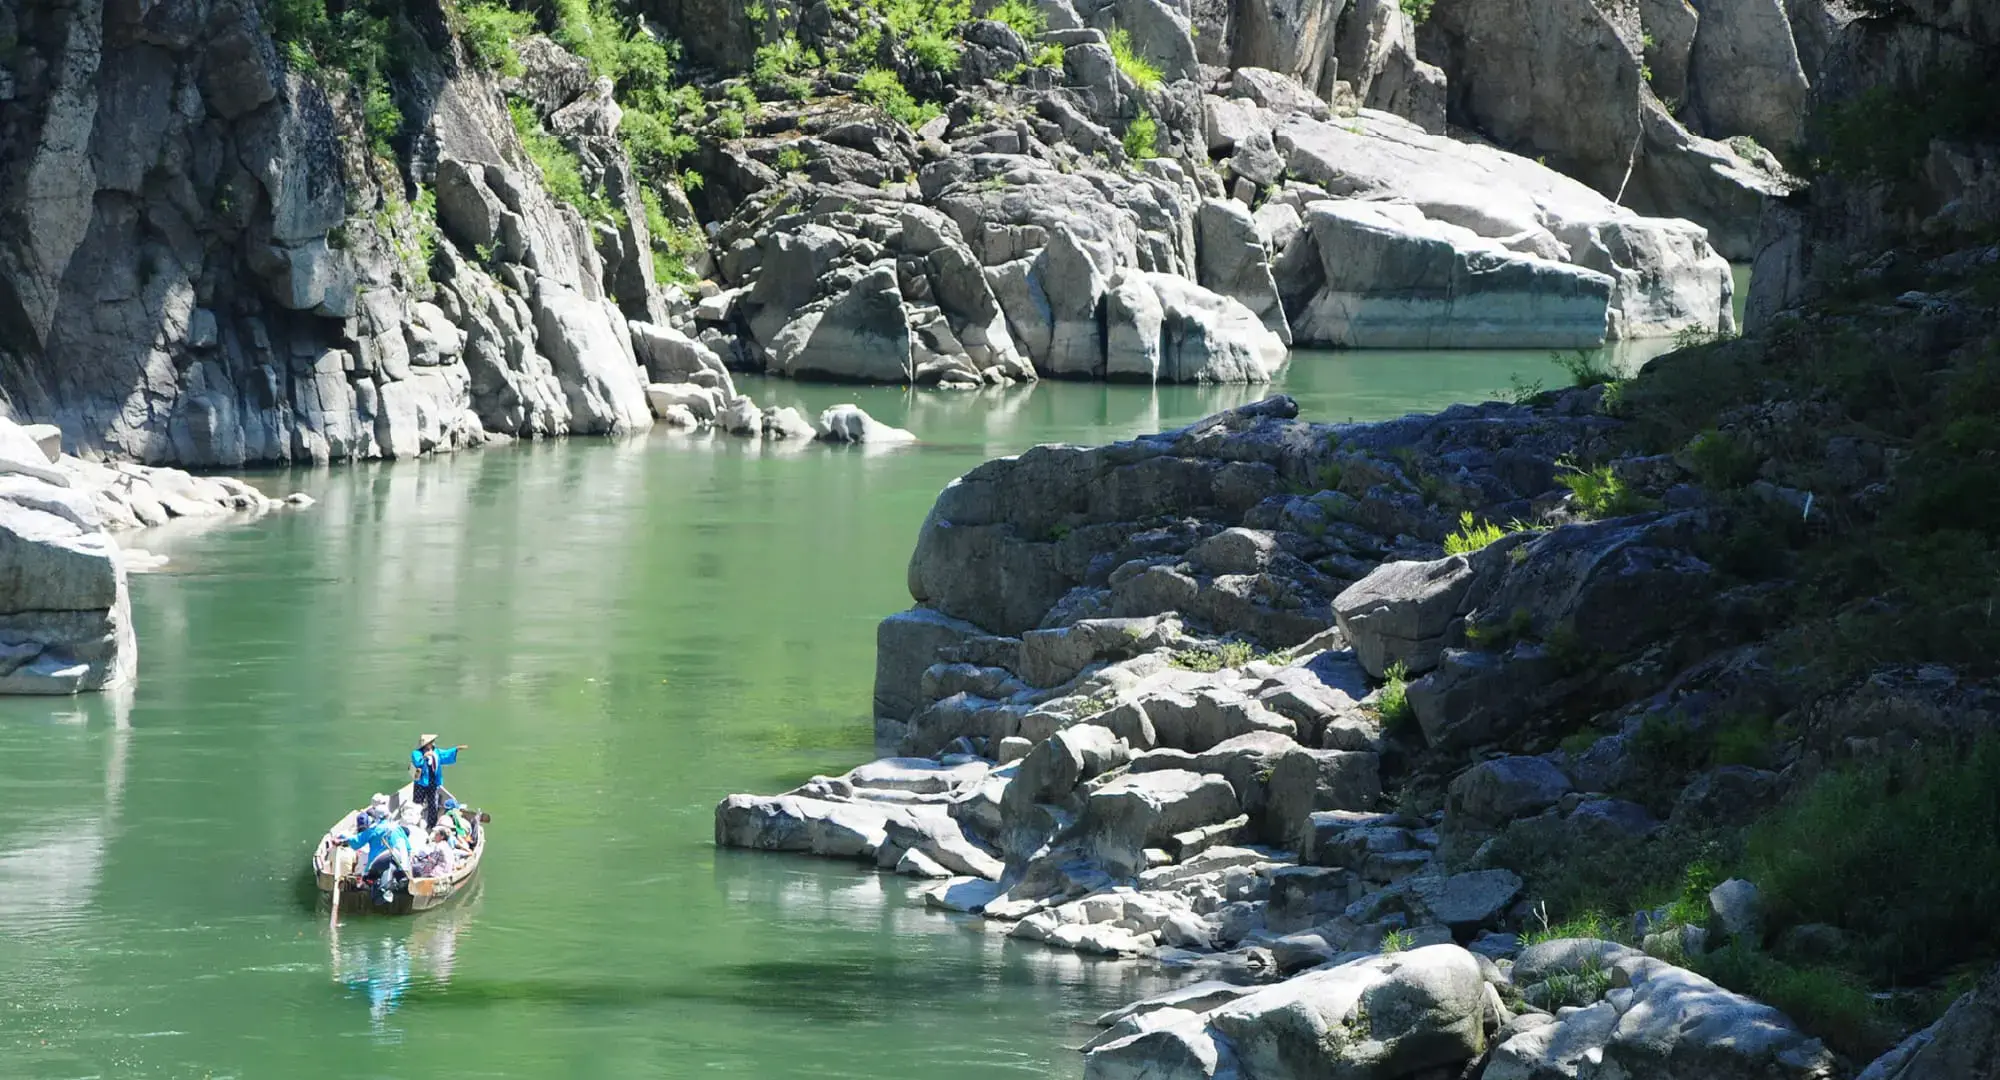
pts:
[333, 861]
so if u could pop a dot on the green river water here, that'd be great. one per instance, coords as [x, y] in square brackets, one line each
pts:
[622, 632]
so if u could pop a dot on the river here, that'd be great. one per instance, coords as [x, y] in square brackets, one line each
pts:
[622, 632]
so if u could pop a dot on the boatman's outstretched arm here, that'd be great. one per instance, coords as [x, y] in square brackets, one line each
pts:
[449, 756]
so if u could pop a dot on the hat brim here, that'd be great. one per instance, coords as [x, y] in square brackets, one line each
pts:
[426, 740]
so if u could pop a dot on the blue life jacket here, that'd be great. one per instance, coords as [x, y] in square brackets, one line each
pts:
[430, 765]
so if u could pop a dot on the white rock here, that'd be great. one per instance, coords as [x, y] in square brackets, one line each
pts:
[849, 424]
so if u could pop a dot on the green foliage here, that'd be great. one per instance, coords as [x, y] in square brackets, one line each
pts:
[1567, 989]
[934, 49]
[1227, 654]
[1495, 635]
[757, 14]
[561, 173]
[1824, 1001]
[1392, 704]
[776, 67]
[881, 87]
[489, 29]
[1910, 841]
[1886, 132]
[674, 246]
[382, 119]
[1722, 461]
[1589, 924]
[1418, 10]
[1049, 55]
[1585, 367]
[1396, 941]
[1471, 535]
[1026, 19]
[791, 159]
[1140, 136]
[1144, 73]
[1599, 492]
[358, 43]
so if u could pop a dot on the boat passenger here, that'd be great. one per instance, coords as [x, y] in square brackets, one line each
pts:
[428, 762]
[385, 854]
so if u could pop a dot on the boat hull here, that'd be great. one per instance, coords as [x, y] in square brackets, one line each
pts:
[423, 894]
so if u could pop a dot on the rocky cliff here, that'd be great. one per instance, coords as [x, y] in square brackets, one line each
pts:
[260, 232]
[1644, 728]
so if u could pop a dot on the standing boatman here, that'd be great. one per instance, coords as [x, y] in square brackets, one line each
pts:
[428, 762]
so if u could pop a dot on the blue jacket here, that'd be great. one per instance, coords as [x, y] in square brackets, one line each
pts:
[429, 775]
[378, 838]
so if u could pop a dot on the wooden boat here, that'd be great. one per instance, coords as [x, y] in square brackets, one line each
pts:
[423, 894]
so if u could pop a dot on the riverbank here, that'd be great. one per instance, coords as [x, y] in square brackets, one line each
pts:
[1258, 697]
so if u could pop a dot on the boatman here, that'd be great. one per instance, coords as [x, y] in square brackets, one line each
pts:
[428, 762]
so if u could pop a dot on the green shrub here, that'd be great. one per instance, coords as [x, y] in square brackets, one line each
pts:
[1824, 1001]
[776, 66]
[382, 119]
[1586, 367]
[1026, 19]
[1392, 705]
[1899, 851]
[881, 87]
[673, 246]
[489, 30]
[561, 173]
[1722, 461]
[1227, 654]
[1567, 989]
[1589, 924]
[1048, 56]
[1471, 535]
[1418, 10]
[1599, 492]
[791, 159]
[1139, 137]
[1396, 941]
[934, 49]
[1143, 73]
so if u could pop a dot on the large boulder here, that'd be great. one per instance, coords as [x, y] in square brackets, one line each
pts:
[590, 349]
[863, 335]
[1232, 261]
[1399, 613]
[1480, 199]
[1386, 276]
[1385, 1016]
[1663, 1023]
[1378, 57]
[1165, 328]
[1493, 793]
[65, 619]
[1744, 75]
[1133, 812]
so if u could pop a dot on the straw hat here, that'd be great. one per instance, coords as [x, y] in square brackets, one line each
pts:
[425, 740]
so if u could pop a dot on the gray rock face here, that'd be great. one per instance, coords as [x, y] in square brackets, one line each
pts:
[1378, 57]
[169, 159]
[1744, 73]
[587, 345]
[1478, 207]
[863, 336]
[1663, 1022]
[1232, 261]
[65, 620]
[1384, 1016]
[1164, 328]
[1495, 792]
[1141, 810]
[1399, 613]
[1388, 277]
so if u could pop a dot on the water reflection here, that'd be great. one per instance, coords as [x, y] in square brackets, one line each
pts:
[52, 855]
[381, 959]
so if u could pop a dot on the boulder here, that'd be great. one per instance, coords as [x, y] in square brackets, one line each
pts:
[1060, 762]
[1165, 328]
[1385, 1016]
[1233, 262]
[65, 619]
[587, 344]
[1962, 1045]
[849, 424]
[1735, 909]
[1663, 1023]
[1468, 902]
[1131, 813]
[1400, 612]
[1493, 793]
[1071, 283]
[1182, 1051]
[907, 643]
[802, 824]
[1744, 75]
[863, 335]
[1387, 276]
[1377, 49]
